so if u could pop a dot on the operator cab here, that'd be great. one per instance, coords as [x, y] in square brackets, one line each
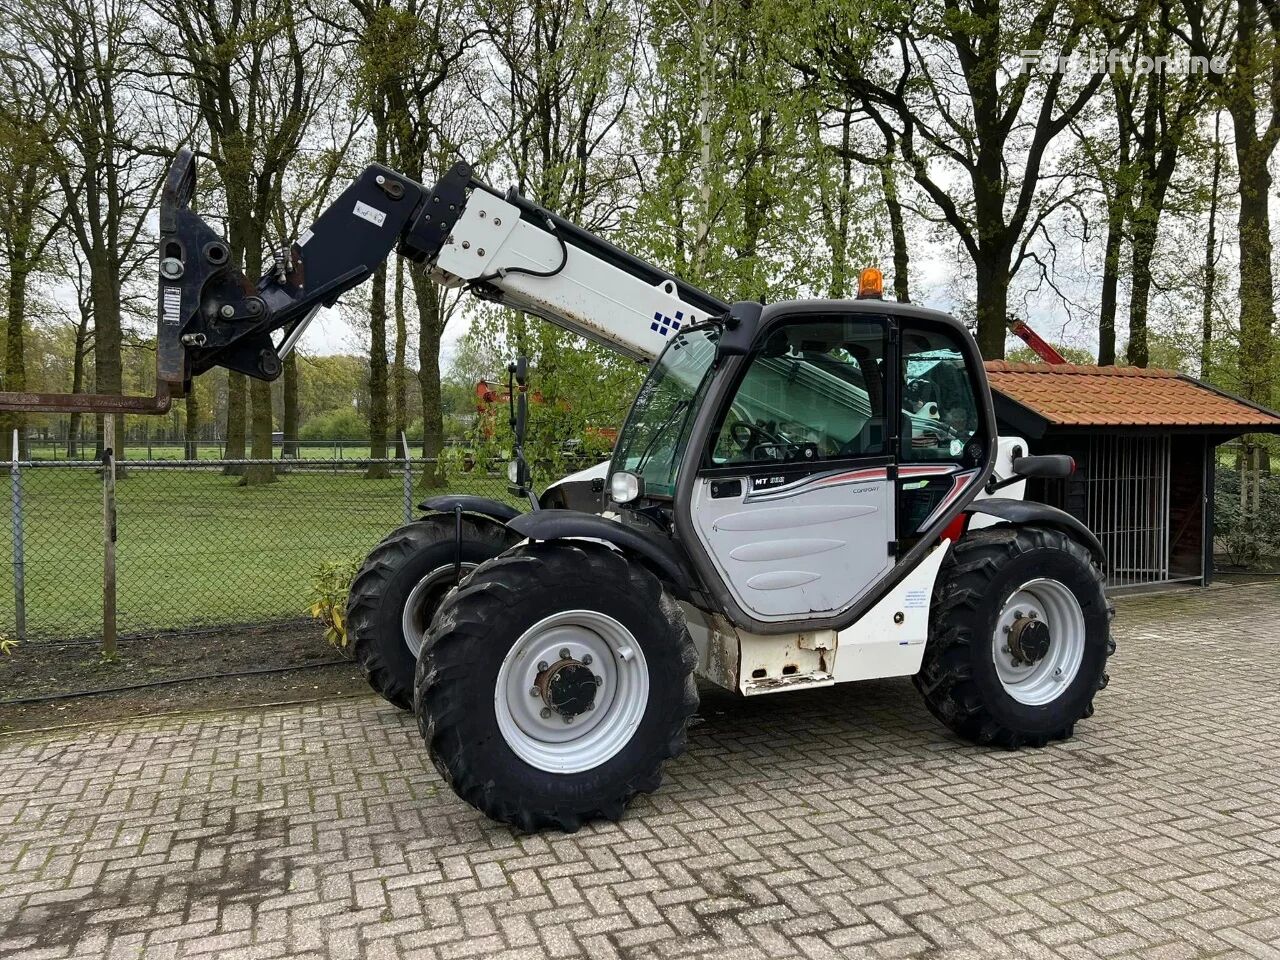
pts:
[806, 452]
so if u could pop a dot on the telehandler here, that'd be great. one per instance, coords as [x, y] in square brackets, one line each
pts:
[803, 494]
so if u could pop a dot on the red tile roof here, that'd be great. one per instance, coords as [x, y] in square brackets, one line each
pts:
[1077, 395]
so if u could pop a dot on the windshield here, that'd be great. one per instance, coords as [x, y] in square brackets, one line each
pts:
[653, 439]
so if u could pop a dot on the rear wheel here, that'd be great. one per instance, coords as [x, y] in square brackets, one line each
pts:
[399, 588]
[1019, 637]
[554, 684]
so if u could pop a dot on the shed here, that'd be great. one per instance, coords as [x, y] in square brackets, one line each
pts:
[1144, 441]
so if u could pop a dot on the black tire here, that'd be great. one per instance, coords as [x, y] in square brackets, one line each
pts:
[958, 676]
[383, 585]
[474, 631]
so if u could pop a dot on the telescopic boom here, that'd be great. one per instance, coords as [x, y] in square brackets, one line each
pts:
[500, 247]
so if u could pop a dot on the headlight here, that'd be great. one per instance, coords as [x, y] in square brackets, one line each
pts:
[624, 487]
[513, 471]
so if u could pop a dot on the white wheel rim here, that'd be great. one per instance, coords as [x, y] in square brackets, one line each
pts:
[421, 604]
[540, 735]
[1043, 681]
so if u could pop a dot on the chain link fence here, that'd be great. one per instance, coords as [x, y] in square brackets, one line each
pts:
[196, 546]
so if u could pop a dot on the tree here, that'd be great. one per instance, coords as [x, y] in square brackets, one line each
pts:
[1211, 253]
[109, 171]
[380, 74]
[414, 55]
[255, 72]
[957, 111]
[838, 216]
[1249, 90]
[718, 204]
[578, 397]
[30, 213]
[305, 192]
[564, 82]
[1109, 161]
[83, 338]
[1161, 110]
[399, 373]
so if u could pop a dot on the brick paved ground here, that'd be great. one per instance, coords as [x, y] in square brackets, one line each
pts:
[837, 823]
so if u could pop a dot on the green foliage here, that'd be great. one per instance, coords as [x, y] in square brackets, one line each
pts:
[345, 423]
[724, 206]
[328, 599]
[1249, 537]
[331, 382]
[579, 393]
[1070, 354]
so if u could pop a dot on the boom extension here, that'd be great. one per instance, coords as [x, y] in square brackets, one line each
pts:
[502, 248]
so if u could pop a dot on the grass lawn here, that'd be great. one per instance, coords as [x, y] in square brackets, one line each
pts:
[194, 547]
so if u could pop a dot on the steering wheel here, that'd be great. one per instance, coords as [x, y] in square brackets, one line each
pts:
[748, 436]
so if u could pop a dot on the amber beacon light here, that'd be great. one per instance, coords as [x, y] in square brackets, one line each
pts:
[870, 284]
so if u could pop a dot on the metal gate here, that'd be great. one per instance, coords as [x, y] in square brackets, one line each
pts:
[1128, 498]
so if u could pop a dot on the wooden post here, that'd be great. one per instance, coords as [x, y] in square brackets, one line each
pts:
[109, 538]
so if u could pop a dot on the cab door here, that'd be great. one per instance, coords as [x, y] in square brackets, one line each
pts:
[794, 501]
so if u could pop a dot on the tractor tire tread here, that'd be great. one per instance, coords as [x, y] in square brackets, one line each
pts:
[466, 618]
[371, 649]
[946, 678]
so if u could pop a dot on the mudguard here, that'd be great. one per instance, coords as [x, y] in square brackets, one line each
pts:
[1029, 513]
[494, 509]
[632, 541]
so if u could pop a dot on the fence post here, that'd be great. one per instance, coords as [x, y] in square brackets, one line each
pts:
[108, 537]
[19, 560]
[408, 479]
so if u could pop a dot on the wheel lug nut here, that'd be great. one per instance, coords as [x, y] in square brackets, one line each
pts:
[534, 692]
[542, 666]
[586, 660]
[568, 719]
[564, 653]
[599, 680]
[1004, 649]
[546, 712]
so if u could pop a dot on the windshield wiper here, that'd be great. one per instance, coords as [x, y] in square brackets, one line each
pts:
[679, 408]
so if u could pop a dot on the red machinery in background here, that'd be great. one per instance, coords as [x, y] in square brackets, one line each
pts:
[1022, 330]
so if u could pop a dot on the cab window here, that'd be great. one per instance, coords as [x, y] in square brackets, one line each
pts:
[939, 405]
[813, 390]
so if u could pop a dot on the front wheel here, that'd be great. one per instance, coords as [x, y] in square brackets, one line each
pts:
[554, 684]
[1019, 637]
[400, 586]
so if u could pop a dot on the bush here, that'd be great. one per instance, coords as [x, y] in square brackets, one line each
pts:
[1249, 539]
[344, 423]
[329, 589]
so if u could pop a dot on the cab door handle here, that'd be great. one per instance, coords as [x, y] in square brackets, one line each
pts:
[721, 489]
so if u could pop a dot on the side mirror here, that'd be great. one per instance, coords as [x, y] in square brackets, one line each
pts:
[1050, 466]
[625, 487]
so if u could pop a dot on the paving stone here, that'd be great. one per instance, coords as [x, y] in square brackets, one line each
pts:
[836, 823]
